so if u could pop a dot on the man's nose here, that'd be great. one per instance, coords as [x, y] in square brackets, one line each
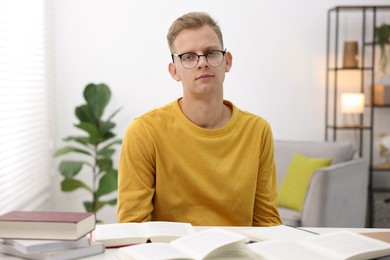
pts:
[201, 61]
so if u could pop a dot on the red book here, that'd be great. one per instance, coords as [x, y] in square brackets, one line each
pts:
[46, 225]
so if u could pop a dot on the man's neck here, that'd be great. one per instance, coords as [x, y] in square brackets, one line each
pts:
[210, 113]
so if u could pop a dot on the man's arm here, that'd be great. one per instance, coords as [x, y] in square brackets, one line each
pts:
[265, 209]
[136, 175]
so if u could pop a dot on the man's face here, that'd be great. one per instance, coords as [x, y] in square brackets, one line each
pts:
[203, 79]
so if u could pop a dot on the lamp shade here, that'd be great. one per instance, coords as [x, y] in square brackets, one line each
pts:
[352, 103]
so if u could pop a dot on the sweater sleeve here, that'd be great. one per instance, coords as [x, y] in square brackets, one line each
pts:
[265, 208]
[136, 175]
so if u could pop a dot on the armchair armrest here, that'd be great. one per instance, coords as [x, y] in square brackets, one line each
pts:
[337, 196]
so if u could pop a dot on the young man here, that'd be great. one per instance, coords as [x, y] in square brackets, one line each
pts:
[199, 159]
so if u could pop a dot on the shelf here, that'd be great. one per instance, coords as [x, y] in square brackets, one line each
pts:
[381, 106]
[381, 167]
[373, 43]
[347, 127]
[366, 73]
[381, 189]
[359, 8]
[344, 69]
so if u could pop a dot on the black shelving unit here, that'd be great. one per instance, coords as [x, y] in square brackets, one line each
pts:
[362, 23]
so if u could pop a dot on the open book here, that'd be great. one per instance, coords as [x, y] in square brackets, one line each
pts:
[333, 245]
[210, 243]
[281, 232]
[122, 234]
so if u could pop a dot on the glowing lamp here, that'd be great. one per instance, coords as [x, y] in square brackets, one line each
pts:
[352, 103]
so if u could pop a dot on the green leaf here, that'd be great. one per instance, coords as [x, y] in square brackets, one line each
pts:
[118, 141]
[106, 126]
[97, 97]
[70, 149]
[84, 114]
[105, 164]
[79, 139]
[107, 136]
[91, 129]
[106, 153]
[108, 183]
[68, 169]
[382, 36]
[92, 141]
[68, 185]
[113, 114]
[111, 202]
[88, 205]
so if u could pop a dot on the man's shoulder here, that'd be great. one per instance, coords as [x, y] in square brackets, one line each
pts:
[158, 112]
[250, 116]
[156, 118]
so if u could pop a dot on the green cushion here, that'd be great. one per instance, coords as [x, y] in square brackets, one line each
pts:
[293, 188]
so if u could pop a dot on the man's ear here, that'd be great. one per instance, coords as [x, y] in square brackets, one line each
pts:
[173, 71]
[229, 61]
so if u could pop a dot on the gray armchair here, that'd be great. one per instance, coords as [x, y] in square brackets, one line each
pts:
[337, 194]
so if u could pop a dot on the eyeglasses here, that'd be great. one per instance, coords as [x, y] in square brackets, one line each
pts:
[190, 60]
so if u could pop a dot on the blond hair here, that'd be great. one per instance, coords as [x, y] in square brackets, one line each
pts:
[192, 20]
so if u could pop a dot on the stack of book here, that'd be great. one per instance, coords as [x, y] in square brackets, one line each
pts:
[48, 235]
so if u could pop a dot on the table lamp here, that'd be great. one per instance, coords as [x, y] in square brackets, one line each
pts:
[352, 103]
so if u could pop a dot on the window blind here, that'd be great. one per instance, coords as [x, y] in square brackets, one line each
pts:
[26, 77]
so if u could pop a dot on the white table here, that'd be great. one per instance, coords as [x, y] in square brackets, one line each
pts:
[109, 254]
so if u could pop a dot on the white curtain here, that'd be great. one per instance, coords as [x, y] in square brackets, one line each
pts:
[26, 82]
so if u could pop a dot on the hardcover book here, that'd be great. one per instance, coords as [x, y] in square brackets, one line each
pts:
[46, 225]
[28, 246]
[64, 254]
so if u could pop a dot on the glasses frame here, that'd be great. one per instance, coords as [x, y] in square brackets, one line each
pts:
[173, 55]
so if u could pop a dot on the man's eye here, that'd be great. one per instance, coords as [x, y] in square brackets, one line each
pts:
[188, 57]
[212, 54]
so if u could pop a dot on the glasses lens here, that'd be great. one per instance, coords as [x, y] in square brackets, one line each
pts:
[189, 60]
[214, 58]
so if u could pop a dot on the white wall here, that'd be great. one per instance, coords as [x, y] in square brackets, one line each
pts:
[278, 72]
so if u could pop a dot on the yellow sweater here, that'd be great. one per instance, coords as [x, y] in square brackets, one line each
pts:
[172, 170]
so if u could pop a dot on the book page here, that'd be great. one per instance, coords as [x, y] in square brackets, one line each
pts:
[281, 250]
[281, 232]
[345, 245]
[156, 251]
[161, 231]
[202, 243]
[119, 234]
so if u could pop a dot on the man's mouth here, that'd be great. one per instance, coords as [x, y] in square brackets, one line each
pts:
[204, 76]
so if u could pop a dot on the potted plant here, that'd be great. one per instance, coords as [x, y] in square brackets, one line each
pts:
[94, 150]
[382, 37]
